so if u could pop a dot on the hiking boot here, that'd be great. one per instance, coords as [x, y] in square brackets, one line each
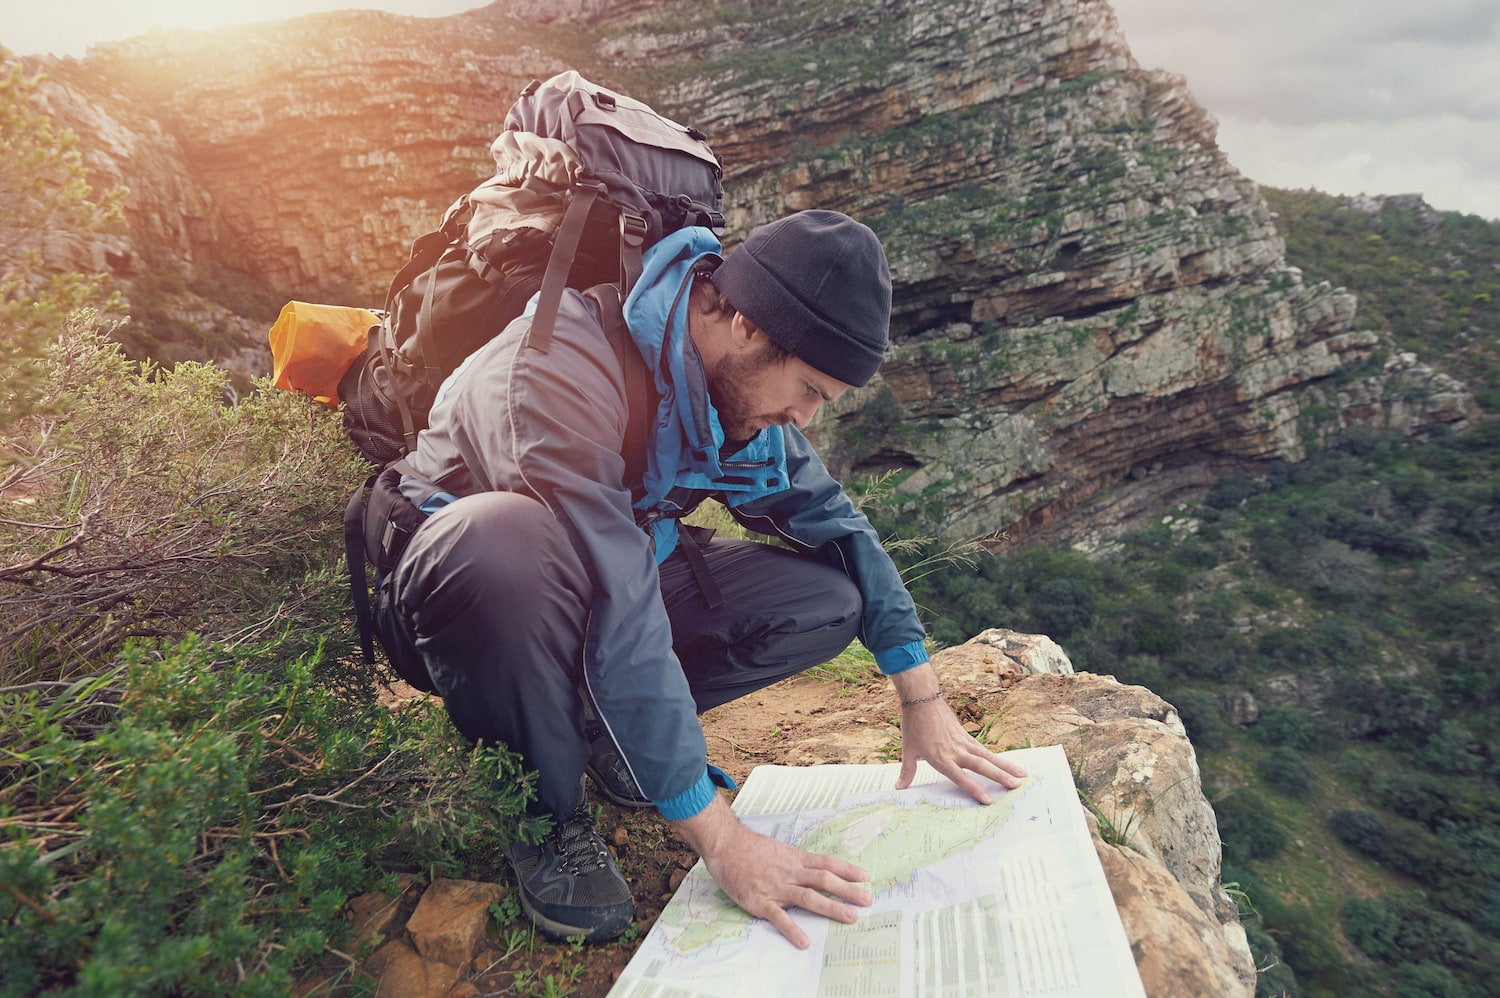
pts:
[570, 885]
[605, 766]
[610, 775]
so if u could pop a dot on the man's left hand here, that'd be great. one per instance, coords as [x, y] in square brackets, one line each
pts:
[931, 731]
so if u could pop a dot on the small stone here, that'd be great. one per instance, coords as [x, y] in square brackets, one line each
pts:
[450, 920]
[621, 837]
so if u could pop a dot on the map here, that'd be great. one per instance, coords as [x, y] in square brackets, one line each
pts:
[1006, 900]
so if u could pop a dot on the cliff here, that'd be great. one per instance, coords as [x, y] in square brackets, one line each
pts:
[1093, 316]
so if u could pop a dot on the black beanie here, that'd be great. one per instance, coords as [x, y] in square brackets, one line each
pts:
[818, 284]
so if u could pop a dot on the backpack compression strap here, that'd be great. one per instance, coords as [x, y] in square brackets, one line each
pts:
[640, 389]
[559, 263]
[354, 558]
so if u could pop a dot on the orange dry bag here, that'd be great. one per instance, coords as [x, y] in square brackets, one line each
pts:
[313, 345]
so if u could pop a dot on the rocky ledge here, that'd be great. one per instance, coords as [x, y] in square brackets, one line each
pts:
[1152, 827]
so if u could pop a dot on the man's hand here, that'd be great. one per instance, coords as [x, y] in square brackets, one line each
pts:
[766, 877]
[931, 731]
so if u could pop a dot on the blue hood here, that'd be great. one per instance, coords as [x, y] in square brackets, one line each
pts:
[686, 436]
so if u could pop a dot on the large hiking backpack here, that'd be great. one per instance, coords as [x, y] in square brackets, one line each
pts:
[585, 179]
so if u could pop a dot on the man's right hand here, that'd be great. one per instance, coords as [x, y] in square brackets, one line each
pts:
[766, 877]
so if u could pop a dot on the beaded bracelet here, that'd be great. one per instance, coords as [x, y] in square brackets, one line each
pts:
[912, 703]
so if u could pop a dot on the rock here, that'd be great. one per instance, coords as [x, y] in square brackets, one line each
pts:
[1132, 758]
[1175, 952]
[1027, 654]
[375, 915]
[449, 923]
[1239, 707]
[403, 973]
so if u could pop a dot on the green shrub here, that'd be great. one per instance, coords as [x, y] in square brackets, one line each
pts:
[1063, 607]
[1156, 629]
[1360, 829]
[1293, 727]
[1247, 828]
[157, 509]
[185, 825]
[1403, 928]
[1231, 491]
[1428, 980]
[1283, 770]
[1201, 717]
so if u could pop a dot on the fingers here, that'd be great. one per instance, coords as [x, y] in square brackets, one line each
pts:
[768, 877]
[783, 923]
[820, 877]
[841, 879]
[955, 754]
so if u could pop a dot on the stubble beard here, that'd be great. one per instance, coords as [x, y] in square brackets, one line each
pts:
[729, 385]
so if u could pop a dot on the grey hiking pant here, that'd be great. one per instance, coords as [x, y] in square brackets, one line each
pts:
[492, 599]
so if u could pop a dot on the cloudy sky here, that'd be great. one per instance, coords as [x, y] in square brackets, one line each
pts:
[1345, 96]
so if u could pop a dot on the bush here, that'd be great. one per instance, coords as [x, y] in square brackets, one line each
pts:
[1274, 978]
[1155, 629]
[1359, 829]
[1284, 771]
[1063, 607]
[1339, 576]
[1428, 980]
[1141, 670]
[1453, 749]
[1231, 491]
[157, 509]
[1246, 827]
[1292, 727]
[1402, 928]
[1201, 717]
[184, 825]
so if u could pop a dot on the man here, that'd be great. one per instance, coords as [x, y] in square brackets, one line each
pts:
[587, 634]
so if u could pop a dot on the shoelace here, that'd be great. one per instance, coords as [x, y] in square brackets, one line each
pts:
[577, 847]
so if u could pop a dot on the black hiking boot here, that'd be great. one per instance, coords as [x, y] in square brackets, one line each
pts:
[607, 770]
[570, 885]
[605, 766]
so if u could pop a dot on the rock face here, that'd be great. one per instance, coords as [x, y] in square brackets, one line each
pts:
[1091, 303]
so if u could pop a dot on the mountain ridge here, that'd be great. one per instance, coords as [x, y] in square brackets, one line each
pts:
[1093, 312]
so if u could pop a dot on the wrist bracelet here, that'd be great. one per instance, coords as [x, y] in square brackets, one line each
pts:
[912, 703]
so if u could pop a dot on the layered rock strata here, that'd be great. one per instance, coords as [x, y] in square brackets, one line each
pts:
[1091, 303]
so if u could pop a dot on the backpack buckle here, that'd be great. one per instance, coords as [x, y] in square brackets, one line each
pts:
[633, 229]
[605, 102]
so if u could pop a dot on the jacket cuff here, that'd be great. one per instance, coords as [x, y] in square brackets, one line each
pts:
[688, 803]
[901, 657]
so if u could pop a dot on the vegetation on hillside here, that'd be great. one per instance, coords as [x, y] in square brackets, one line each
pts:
[1429, 278]
[195, 773]
[1327, 632]
[44, 194]
[1352, 599]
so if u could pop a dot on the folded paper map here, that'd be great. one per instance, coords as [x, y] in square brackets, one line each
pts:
[1002, 901]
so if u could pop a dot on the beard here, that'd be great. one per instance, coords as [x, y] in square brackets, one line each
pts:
[731, 386]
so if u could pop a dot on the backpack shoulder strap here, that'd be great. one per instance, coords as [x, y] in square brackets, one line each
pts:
[640, 387]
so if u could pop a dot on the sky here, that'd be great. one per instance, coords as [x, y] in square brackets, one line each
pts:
[1343, 96]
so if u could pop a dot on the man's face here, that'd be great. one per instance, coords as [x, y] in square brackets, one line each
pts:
[759, 386]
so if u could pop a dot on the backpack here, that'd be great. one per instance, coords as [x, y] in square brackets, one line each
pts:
[585, 180]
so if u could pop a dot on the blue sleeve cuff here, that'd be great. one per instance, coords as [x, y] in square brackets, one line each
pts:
[901, 657]
[692, 800]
